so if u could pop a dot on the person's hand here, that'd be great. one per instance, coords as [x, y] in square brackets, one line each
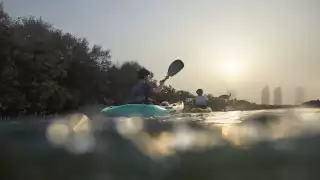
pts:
[164, 80]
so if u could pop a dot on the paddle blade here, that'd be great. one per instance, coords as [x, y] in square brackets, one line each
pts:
[175, 67]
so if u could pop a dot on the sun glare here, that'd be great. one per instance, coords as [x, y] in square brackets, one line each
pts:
[232, 68]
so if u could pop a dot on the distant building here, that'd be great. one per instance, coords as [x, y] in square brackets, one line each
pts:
[277, 96]
[299, 95]
[265, 96]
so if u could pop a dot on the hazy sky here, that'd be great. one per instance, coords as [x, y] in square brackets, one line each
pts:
[274, 42]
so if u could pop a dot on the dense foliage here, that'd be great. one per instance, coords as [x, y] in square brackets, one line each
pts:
[312, 103]
[44, 70]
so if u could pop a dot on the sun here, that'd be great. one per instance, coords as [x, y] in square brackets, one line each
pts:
[232, 68]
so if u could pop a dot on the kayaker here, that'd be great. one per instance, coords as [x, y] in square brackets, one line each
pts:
[142, 90]
[201, 100]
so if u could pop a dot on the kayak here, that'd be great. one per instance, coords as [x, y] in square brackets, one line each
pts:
[142, 110]
[201, 110]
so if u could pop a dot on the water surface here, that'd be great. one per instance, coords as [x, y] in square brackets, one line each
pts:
[277, 144]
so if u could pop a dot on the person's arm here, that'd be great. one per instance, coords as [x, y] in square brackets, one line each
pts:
[206, 98]
[159, 88]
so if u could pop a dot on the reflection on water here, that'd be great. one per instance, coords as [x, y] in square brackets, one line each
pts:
[277, 144]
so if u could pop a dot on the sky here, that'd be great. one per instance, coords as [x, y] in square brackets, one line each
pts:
[226, 45]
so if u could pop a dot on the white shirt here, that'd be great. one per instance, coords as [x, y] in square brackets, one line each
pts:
[201, 100]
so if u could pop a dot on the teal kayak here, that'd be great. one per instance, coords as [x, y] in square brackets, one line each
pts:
[142, 110]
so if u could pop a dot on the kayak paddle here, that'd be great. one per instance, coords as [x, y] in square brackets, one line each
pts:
[175, 67]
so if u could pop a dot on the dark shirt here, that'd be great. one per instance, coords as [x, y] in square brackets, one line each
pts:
[141, 92]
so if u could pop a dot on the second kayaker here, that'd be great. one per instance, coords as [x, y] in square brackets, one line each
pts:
[201, 100]
[140, 93]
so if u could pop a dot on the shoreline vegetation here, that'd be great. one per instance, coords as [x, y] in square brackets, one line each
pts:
[46, 71]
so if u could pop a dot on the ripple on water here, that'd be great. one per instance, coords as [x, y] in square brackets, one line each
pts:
[204, 150]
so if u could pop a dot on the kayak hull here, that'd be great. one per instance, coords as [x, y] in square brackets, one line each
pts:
[142, 110]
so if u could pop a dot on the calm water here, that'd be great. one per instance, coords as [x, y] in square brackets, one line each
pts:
[278, 144]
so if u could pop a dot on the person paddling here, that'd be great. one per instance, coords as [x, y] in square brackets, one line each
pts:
[140, 93]
[201, 100]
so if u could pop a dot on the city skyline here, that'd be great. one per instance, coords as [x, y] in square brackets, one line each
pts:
[265, 97]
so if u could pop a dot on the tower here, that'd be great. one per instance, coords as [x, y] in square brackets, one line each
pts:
[265, 96]
[277, 96]
[299, 95]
